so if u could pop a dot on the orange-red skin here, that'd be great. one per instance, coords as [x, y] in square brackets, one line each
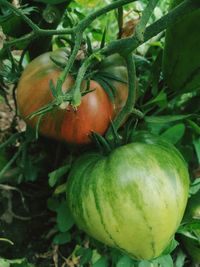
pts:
[93, 115]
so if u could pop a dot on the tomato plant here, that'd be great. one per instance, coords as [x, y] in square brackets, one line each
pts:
[132, 199]
[192, 214]
[63, 123]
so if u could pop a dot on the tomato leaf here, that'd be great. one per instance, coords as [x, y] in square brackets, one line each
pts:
[64, 217]
[106, 88]
[194, 126]
[175, 133]
[196, 143]
[124, 261]
[89, 45]
[86, 255]
[195, 187]
[180, 260]
[165, 261]
[145, 264]
[110, 76]
[54, 176]
[102, 262]
[167, 118]
[52, 2]
[62, 238]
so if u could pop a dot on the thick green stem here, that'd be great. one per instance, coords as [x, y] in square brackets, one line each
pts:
[76, 99]
[125, 46]
[146, 14]
[89, 19]
[19, 12]
[69, 63]
[128, 108]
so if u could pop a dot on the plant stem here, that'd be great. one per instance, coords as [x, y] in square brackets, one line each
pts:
[89, 19]
[69, 63]
[20, 13]
[146, 14]
[125, 46]
[128, 108]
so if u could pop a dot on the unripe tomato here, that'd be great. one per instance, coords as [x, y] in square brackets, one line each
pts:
[132, 199]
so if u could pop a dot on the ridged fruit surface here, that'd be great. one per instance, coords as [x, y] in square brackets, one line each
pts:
[132, 199]
[73, 126]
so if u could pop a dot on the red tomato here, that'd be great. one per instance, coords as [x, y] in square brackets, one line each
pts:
[63, 123]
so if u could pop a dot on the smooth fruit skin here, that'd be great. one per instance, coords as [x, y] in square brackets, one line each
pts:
[181, 67]
[33, 92]
[132, 199]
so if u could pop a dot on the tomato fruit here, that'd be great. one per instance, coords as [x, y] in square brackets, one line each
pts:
[94, 114]
[132, 199]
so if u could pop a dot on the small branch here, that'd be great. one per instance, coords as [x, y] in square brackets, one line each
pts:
[69, 64]
[146, 14]
[125, 46]
[128, 108]
[89, 19]
[174, 16]
[76, 98]
[18, 12]
[8, 165]
[120, 21]
[25, 38]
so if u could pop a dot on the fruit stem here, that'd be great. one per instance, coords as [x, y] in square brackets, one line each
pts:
[128, 108]
[146, 14]
[76, 91]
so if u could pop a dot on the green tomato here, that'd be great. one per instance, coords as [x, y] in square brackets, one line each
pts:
[132, 199]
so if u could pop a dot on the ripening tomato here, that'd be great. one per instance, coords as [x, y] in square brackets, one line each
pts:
[63, 123]
[133, 198]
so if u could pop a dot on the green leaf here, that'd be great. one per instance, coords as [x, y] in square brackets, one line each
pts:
[102, 262]
[57, 174]
[107, 88]
[180, 260]
[195, 187]
[89, 45]
[175, 133]
[171, 246]
[125, 261]
[62, 238]
[15, 263]
[165, 261]
[160, 99]
[166, 118]
[52, 2]
[196, 144]
[86, 255]
[145, 264]
[103, 40]
[194, 126]
[64, 217]
[53, 204]
[4, 263]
